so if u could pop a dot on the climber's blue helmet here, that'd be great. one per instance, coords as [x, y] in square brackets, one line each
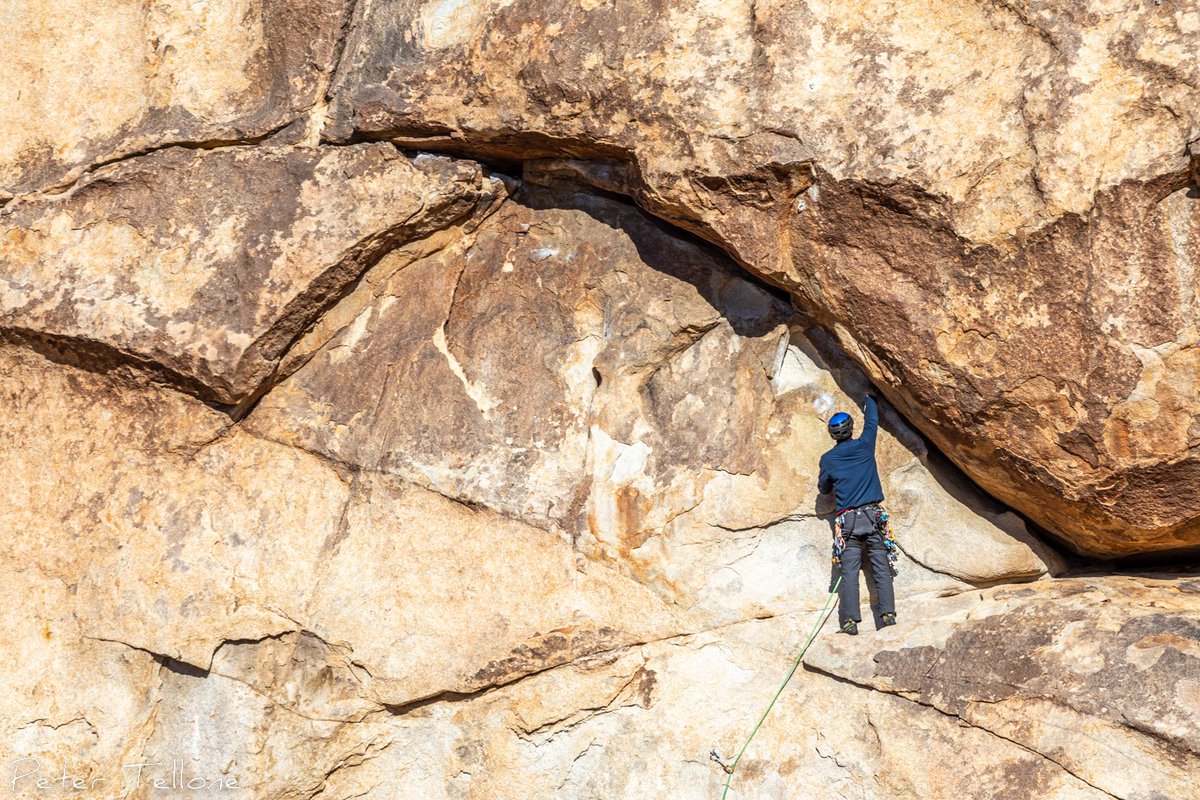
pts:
[841, 426]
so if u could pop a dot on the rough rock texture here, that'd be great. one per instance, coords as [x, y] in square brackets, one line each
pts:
[1102, 676]
[88, 86]
[987, 204]
[339, 470]
[366, 551]
[186, 539]
[522, 371]
[198, 539]
[182, 261]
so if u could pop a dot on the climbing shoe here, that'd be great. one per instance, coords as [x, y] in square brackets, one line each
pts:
[888, 619]
[850, 627]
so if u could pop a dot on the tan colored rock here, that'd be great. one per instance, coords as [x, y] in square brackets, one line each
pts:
[545, 344]
[463, 599]
[641, 723]
[69, 701]
[295, 617]
[122, 77]
[947, 526]
[339, 472]
[205, 266]
[190, 569]
[148, 502]
[689, 91]
[521, 371]
[204, 535]
[1095, 673]
[638, 721]
[987, 204]
[275, 738]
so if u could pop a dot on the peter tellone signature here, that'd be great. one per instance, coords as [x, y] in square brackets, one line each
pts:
[29, 773]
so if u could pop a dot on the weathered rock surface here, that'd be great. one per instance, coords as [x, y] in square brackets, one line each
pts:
[339, 471]
[988, 205]
[1101, 675]
[521, 371]
[651, 715]
[206, 266]
[203, 534]
[122, 77]
[640, 720]
[356, 571]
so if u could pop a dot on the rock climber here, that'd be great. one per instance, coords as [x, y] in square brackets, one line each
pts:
[848, 469]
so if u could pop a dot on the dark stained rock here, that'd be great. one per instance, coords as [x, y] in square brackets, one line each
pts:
[500, 369]
[203, 266]
[988, 205]
[1102, 675]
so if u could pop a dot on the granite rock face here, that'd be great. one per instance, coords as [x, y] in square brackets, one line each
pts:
[206, 266]
[123, 77]
[334, 469]
[196, 550]
[989, 205]
[1100, 675]
[562, 441]
[559, 366]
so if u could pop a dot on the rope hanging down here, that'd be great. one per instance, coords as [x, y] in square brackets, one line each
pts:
[812, 635]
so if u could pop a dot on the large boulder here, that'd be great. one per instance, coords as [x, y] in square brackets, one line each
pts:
[334, 470]
[205, 267]
[574, 365]
[988, 205]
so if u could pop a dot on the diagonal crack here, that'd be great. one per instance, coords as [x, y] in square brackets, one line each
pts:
[915, 700]
[435, 215]
[680, 637]
[67, 185]
[91, 355]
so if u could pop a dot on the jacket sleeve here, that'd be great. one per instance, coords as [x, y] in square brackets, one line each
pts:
[870, 423]
[824, 480]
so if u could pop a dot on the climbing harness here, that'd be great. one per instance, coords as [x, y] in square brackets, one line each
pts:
[839, 542]
[883, 526]
[729, 768]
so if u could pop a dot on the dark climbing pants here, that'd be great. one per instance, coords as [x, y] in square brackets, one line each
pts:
[852, 556]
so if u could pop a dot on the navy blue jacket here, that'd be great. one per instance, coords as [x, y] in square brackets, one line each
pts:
[849, 468]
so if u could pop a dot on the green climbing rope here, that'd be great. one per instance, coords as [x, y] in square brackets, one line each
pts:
[812, 635]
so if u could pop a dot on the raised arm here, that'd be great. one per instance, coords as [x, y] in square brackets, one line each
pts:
[870, 421]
